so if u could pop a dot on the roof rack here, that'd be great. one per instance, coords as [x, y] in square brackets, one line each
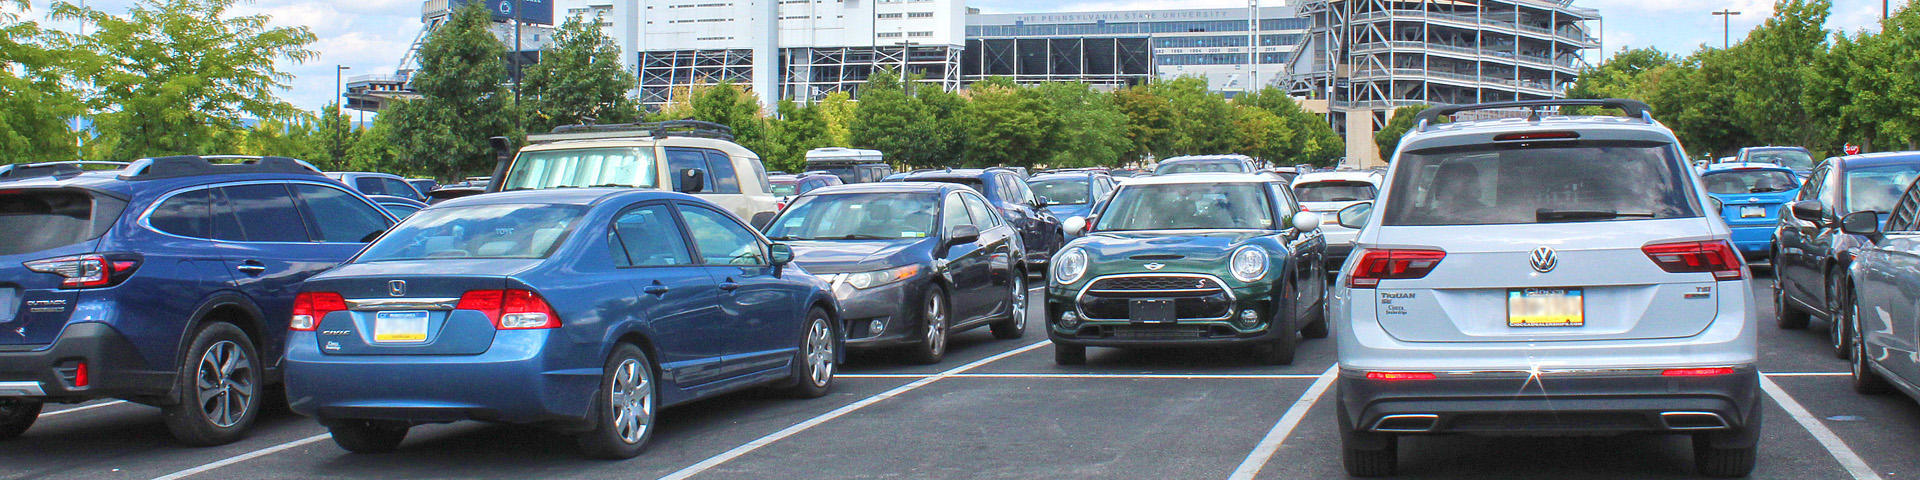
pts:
[1633, 108]
[194, 165]
[50, 169]
[670, 128]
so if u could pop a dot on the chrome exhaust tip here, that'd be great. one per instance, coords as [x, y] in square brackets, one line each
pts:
[1693, 421]
[1407, 423]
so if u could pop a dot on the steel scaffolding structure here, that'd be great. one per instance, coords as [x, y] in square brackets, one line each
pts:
[810, 74]
[667, 75]
[1100, 61]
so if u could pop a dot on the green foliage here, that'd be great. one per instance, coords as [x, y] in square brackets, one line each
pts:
[462, 100]
[1092, 129]
[727, 104]
[1009, 125]
[798, 129]
[1388, 139]
[577, 79]
[335, 135]
[35, 101]
[1302, 137]
[890, 119]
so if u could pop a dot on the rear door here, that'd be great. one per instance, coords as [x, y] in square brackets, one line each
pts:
[1795, 239]
[674, 295]
[264, 240]
[757, 307]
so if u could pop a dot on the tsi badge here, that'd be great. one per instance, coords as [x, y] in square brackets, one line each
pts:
[1543, 260]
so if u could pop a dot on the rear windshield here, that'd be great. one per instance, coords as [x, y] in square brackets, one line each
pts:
[1560, 182]
[1735, 182]
[1223, 166]
[1062, 192]
[583, 167]
[1334, 191]
[785, 189]
[478, 231]
[31, 221]
[1878, 188]
[1189, 206]
[1793, 159]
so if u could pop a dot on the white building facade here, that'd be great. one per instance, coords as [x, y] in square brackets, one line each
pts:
[1223, 45]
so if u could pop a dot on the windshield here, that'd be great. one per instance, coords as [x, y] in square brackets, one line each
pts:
[858, 216]
[1221, 166]
[1793, 159]
[1334, 191]
[1062, 192]
[479, 231]
[1561, 182]
[1189, 206]
[785, 189]
[1878, 188]
[1734, 182]
[582, 167]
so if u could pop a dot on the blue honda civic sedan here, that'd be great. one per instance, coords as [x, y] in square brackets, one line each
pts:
[581, 310]
[1751, 196]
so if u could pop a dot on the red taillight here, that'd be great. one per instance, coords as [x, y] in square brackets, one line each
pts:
[1377, 265]
[1513, 137]
[1716, 257]
[1397, 376]
[80, 375]
[511, 309]
[88, 271]
[310, 307]
[1697, 372]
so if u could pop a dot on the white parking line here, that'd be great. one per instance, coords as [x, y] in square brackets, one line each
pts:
[82, 408]
[243, 457]
[1142, 376]
[1841, 452]
[1808, 374]
[749, 447]
[1270, 444]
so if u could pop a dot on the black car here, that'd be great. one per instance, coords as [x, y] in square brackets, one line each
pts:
[1811, 254]
[910, 263]
[1007, 190]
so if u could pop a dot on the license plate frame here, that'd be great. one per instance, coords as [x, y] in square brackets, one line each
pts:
[1753, 211]
[404, 326]
[1153, 311]
[1562, 307]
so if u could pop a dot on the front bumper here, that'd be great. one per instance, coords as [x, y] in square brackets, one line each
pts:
[113, 368]
[1125, 333]
[510, 383]
[1590, 402]
[896, 306]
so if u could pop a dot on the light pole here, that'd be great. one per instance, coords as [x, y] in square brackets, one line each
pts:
[906, 50]
[1726, 27]
[339, 132]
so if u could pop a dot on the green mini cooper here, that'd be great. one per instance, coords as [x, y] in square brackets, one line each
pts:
[1190, 260]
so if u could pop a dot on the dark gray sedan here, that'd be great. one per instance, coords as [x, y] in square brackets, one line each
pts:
[1881, 298]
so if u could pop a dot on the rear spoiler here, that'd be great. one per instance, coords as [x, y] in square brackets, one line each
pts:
[1634, 109]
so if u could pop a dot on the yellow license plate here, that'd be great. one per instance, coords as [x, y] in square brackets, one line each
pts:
[400, 326]
[1546, 307]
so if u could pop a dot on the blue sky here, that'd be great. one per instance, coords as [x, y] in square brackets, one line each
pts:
[369, 36]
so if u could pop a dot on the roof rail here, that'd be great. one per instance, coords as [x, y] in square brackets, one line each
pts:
[670, 128]
[193, 165]
[1634, 108]
[50, 169]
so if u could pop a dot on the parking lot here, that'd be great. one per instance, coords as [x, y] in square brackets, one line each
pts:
[1003, 409]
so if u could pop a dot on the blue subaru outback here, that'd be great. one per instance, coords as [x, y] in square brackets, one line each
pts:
[167, 282]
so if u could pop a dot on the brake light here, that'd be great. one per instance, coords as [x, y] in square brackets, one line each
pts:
[1536, 136]
[1398, 376]
[310, 307]
[1397, 264]
[511, 309]
[1716, 257]
[88, 271]
[1697, 372]
[80, 375]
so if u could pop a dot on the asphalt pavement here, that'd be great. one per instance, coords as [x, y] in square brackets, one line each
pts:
[1002, 409]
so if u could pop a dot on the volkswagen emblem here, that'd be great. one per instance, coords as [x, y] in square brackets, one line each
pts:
[1155, 267]
[1543, 260]
[397, 288]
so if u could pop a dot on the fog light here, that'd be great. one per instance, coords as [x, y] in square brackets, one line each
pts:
[1249, 318]
[1069, 320]
[874, 328]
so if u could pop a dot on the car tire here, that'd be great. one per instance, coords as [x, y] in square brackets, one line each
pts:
[1317, 327]
[1722, 462]
[817, 360]
[1015, 326]
[16, 416]
[1839, 329]
[1280, 351]
[1784, 313]
[1866, 381]
[623, 407]
[368, 436]
[1069, 354]
[936, 319]
[221, 372]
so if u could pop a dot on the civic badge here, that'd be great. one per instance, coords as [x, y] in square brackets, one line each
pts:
[397, 288]
[1543, 260]
[1155, 267]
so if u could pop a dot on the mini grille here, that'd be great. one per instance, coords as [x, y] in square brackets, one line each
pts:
[1154, 283]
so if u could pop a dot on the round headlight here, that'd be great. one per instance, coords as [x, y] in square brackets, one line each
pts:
[1070, 266]
[1249, 264]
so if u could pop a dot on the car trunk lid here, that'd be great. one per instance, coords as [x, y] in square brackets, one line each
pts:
[395, 309]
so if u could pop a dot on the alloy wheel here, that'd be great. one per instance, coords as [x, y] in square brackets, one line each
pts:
[936, 323]
[631, 400]
[225, 383]
[820, 353]
[1020, 302]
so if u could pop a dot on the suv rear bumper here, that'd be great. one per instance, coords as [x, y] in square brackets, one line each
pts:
[114, 368]
[1586, 402]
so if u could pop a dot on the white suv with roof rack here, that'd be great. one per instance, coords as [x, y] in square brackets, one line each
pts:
[1544, 275]
[684, 156]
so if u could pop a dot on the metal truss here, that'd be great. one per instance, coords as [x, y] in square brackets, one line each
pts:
[1112, 62]
[811, 74]
[666, 76]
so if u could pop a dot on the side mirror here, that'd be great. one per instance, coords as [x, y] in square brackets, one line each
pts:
[780, 254]
[1861, 223]
[1074, 226]
[1809, 210]
[1354, 216]
[692, 180]
[1041, 202]
[963, 234]
[1306, 221]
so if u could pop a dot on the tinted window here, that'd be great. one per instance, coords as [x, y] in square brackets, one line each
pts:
[1878, 188]
[400, 210]
[1062, 192]
[1189, 206]
[225, 226]
[982, 214]
[400, 189]
[1221, 166]
[1587, 181]
[721, 240]
[648, 237]
[266, 213]
[371, 186]
[1816, 184]
[720, 174]
[1793, 159]
[683, 159]
[856, 216]
[33, 221]
[1734, 182]
[1334, 191]
[955, 214]
[185, 214]
[339, 217]
[582, 167]
[477, 231]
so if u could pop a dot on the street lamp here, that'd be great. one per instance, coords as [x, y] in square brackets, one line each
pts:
[906, 50]
[1726, 27]
[339, 133]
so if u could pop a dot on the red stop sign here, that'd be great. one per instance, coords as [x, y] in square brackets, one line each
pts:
[1853, 149]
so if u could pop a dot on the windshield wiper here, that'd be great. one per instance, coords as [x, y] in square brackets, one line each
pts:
[1546, 215]
[615, 185]
[861, 236]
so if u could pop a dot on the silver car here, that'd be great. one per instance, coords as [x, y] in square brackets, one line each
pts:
[1543, 276]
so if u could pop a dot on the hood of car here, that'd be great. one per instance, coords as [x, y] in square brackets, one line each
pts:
[1204, 251]
[1070, 210]
[827, 257]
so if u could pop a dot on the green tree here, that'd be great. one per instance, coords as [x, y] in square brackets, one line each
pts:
[336, 134]
[1149, 121]
[578, 78]
[798, 129]
[1388, 139]
[462, 99]
[174, 74]
[1619, 77]
[35, 100]
[375, 151]
[1768, 76]
[296, 136]
[1092, 130]
[837, 110]
[889, 119]
[727, 104]
[1197, 114]
[1009, 125]
[946, 141]
[1308, 137]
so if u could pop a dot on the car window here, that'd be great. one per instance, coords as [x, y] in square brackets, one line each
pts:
[857, 216]
[1284, 199]
[340, 217]
[32, 220]
[186, 214]
[1066, 191]
[1816, 183]
[399, 210]
[648, 236]
[370, 186]
[1877, 188]
[720, 171]
[954, 213]
[787, 189]
[1901, 220]
[582, 167]
[1793, 159]
[1741, 182]
[477, 231]
[1019, 188]
[1189, 206]
[400, 189]
[1217, 166]
[1334, 191]
[1558, 182]
[266, 213]
[981, 213]
[679, 159]
[720, 239]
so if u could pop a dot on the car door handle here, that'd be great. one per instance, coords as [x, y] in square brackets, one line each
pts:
[729, 285]
[251, 268]
[657, 289]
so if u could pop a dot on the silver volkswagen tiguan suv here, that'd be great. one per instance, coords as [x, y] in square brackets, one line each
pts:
[1547, 275]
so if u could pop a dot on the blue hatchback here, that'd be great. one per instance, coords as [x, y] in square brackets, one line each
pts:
[1751, 195]
[583, 310]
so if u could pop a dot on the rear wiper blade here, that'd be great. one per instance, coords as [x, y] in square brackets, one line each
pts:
[1552, 215]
